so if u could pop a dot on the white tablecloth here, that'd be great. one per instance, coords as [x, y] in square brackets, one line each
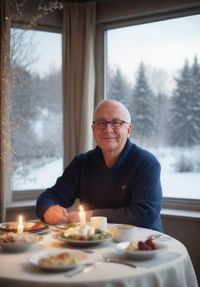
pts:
[171, 269]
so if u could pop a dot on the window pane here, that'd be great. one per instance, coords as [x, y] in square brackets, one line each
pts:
[36, 109]
[154, 69]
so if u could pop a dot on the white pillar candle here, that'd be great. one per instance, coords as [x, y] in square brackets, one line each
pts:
[20, 226]
[82, 216]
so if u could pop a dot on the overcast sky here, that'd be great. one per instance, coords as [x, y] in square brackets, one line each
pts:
[163, 44]
[48, 47]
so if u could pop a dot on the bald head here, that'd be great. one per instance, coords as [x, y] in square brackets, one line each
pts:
[113, 105]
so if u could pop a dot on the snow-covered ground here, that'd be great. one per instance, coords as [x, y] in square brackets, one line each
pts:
[175, 184]
[39, 177]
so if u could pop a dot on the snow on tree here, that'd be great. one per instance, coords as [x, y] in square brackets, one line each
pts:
[118, 87]
[195, 82]
[161, 119]
[185, 123]
[36, 104]
[142, 107]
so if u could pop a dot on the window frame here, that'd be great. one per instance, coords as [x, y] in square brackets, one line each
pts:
[169, 203]
[104, 24]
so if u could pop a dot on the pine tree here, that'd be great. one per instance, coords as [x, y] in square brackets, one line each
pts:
[161, 119]
[118, 87]
[142, 107]
[21, 113]
[195, 71]
[184, 125]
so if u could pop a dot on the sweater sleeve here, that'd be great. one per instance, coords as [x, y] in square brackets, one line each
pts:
[64, 192]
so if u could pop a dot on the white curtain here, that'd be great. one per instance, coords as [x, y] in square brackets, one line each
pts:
[79, 24]
[4, 108]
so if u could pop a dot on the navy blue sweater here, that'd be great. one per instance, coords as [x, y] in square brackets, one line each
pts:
[128, 192]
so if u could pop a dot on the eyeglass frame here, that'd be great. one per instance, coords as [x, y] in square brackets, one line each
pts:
[121, 122]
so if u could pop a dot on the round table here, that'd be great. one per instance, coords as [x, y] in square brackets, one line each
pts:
[172, 268]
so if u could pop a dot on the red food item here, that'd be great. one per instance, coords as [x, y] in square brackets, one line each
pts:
[150, 243]
[143, 246]
[83, 237]
[37, 226]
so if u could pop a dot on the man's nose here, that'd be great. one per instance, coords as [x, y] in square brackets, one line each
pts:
[108, 126]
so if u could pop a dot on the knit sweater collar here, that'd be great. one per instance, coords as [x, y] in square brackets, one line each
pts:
[122, 157]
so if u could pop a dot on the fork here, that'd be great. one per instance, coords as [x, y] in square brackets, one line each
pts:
[158, 236]
[154, 236]
[119, 261]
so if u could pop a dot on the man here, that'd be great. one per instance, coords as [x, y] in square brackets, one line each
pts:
[117, 179]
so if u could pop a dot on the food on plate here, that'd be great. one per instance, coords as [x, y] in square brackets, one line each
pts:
[58, 260]
[28, 226]
[12, 237]
[85, 233]
[35, 226]
[132, 246]
[148, 244]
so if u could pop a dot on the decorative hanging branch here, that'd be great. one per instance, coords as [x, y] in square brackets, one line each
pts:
[44, 7]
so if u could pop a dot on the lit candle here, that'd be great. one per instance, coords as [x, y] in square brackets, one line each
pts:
[82, 216]
[20, 226]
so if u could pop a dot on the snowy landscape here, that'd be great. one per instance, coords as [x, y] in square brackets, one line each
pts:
[174, 184]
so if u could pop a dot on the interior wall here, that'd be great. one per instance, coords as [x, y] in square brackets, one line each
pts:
[50, 21]
[187, 231]
[115, 10]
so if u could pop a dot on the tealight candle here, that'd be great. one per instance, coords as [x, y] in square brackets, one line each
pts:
[20, 226]
[82, 216]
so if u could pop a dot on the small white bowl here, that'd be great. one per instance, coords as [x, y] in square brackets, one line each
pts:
[122, 232]
[21, 245]
[141, 254]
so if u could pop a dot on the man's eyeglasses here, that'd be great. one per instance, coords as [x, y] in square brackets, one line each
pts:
[115, 124]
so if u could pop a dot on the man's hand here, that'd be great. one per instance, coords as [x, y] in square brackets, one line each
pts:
[56, 214]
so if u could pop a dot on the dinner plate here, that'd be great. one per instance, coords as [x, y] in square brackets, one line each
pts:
[141, 254]
[21, 245]
[67, 225]
[82, 242]
[31, 226]
[79, 256]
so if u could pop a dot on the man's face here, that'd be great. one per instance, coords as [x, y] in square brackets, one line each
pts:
[110, 139]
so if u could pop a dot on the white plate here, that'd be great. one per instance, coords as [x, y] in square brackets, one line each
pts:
[20, 246]
[82, 242]
[141, 254]
[79, 256]
[67, 225]
[30, 226]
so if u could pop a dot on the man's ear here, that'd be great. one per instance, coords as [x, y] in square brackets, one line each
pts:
[130, 128]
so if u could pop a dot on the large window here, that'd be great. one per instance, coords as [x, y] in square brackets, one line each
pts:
[154, 69]
[35, 109]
